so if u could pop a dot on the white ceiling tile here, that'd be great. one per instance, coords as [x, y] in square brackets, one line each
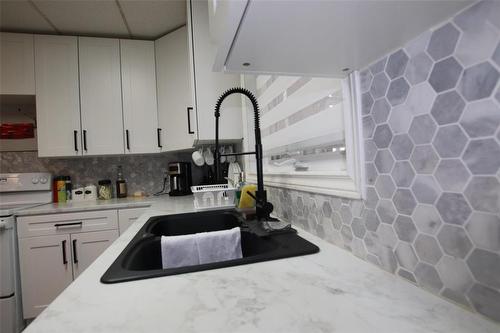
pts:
[21, 16]
[84, 17]
[152, 19]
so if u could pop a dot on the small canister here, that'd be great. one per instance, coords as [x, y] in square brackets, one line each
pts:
[105, 189]
[61, 189]
[90, 192]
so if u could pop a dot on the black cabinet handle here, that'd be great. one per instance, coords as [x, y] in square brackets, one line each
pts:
[65, 260]
[75, 136]
[189, 109]
[75, 258]
[158, 132]
[127, 139]
[85, 140]
[57, 225]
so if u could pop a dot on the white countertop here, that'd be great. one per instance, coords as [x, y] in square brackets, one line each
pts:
[331, 291]
[78, 206]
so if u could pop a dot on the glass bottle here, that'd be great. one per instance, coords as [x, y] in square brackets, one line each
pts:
[121, 184]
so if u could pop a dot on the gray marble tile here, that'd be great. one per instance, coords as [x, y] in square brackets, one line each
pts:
[366, 102]
[418, 44]
[370, 150]
[454, 241]
[371, 220]
[384, 161]
[370, 173]
[358, 227]
[486, 301]
[382, 136]
[406, 256]
[418, 68]
[477, 15]
[453, 208]
[449, 141]
[404, 201]
[424, 159]
[445, 74]
[380, 110]
[455, 274]
[428, 277]
[387, 259]
[368, 127]
[407, 275]
[403, 174]
[443, 41]
[420, 98]
[427, 249]
[405, 228]
[371, 197]
[385, 186]
[481, 118]
[477, 45]
[398, 91]
[496, 55]
[401, 146]
[365, 80]
[378, 66]
[386, 211]
[478, 81]
[379, 85]
[425, 189]
[452, 175]
[478, 260]
[447, 107]
[482, 156]
[422, 129]
[484, 230]
[483, 193]
[396, 64]
[427, 219]
[400, 119]
[387, 236]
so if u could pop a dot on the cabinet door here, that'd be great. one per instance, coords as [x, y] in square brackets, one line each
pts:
[17, 71]
[45, 271]
[87, 246]
[175, 107]
[209, 85]
[100, 95]
[128, 216]
[140, 117]
[57, 96]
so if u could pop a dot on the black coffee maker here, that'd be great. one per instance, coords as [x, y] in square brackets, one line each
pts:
[180, 178]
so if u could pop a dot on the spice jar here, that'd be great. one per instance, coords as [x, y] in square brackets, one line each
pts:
[105, 189]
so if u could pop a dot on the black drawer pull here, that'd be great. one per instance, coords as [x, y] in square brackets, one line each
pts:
[65, 260]
[189, 109]
[57, 225]
[85, 140]
[127, 139]
[75, 138]
[75, 258]
[158, 132]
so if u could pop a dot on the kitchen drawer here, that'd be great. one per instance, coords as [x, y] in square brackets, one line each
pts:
[66, 223]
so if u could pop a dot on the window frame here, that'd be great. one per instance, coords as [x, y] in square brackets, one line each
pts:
[349, 183]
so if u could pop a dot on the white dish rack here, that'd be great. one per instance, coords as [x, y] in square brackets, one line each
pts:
[213, 196]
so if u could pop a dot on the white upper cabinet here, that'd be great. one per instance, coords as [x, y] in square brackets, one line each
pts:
[100, 96]
[17, 71]
[209, 85]
[57, 96]
[317, 38]
[140, 117]
[175, 99]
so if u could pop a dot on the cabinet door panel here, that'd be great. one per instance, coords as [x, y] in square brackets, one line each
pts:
[57, 96]
[128, 216]
[209, 85]
[17, 71]
[86, 247]
[100, 95]
[174, 91]
[45, 271]
[140, 117]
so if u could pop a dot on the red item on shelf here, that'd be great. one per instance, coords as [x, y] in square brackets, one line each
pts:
[17, 131]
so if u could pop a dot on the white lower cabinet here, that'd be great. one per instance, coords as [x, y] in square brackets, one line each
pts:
[128, 216]
[55, 249]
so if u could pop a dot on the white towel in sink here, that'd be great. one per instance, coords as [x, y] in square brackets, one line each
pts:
[201, 248]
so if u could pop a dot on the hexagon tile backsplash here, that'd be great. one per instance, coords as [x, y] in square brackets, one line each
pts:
[431, 122]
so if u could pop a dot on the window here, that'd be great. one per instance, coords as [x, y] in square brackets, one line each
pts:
[310, 133]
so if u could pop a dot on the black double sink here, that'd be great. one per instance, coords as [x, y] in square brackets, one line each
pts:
[141, 259]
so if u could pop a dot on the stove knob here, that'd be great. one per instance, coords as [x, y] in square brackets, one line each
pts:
[43, 180]
[34, 180]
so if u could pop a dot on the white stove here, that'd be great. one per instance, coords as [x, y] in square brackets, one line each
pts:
[18, 191]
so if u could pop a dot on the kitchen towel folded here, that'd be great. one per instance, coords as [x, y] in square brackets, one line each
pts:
[201, 248]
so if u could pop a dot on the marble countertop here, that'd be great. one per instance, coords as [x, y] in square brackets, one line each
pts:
[78, 206]
[331, 291]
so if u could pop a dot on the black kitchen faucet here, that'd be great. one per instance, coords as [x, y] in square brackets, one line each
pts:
[263, 207]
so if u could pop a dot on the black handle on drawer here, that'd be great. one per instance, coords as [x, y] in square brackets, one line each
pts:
[65, 259]
[127, 139]
[57, 225]
[189, 109]
[158, 132]
[75, 137]
[85, 140]
[75, 257]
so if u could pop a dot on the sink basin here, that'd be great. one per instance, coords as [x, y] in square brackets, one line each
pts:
[141, 259]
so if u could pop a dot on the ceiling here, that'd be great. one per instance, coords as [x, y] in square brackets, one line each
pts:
[142, 19]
